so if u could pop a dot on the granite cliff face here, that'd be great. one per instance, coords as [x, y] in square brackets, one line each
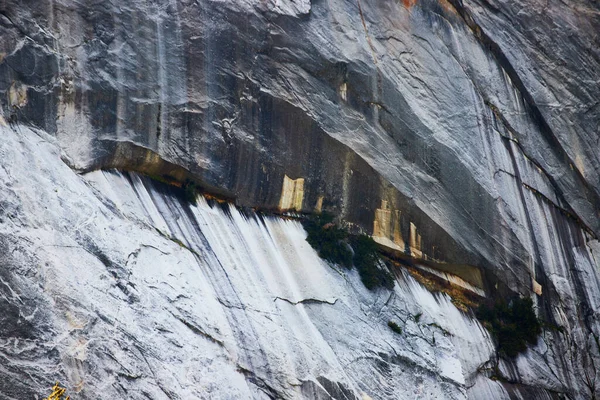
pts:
[463, 132]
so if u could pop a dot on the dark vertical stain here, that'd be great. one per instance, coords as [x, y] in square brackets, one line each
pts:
[532, 109]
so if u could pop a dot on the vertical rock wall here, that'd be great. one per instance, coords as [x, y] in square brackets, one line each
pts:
[474, 122]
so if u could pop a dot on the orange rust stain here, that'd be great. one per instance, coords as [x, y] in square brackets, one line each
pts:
[446, 5]
[463, 299]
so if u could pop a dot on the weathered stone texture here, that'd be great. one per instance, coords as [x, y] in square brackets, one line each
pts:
[476, 122]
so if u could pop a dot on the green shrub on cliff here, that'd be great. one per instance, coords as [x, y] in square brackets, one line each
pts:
[190, 191]
[394, 326]
[328, 240]
[514, 325]
[334, 244]
[366, 261]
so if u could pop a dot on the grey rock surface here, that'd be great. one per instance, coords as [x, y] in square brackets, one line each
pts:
[477, 121]
[118, 288]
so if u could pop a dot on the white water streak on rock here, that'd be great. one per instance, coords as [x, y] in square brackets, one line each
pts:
[140, 294]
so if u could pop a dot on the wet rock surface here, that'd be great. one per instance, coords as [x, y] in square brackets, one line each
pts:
[475, 121]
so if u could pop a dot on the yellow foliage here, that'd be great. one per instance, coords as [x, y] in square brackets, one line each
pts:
[57, 393]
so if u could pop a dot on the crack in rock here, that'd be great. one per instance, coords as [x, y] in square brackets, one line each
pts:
[259, 382]
[306, 301]
[198, 331]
